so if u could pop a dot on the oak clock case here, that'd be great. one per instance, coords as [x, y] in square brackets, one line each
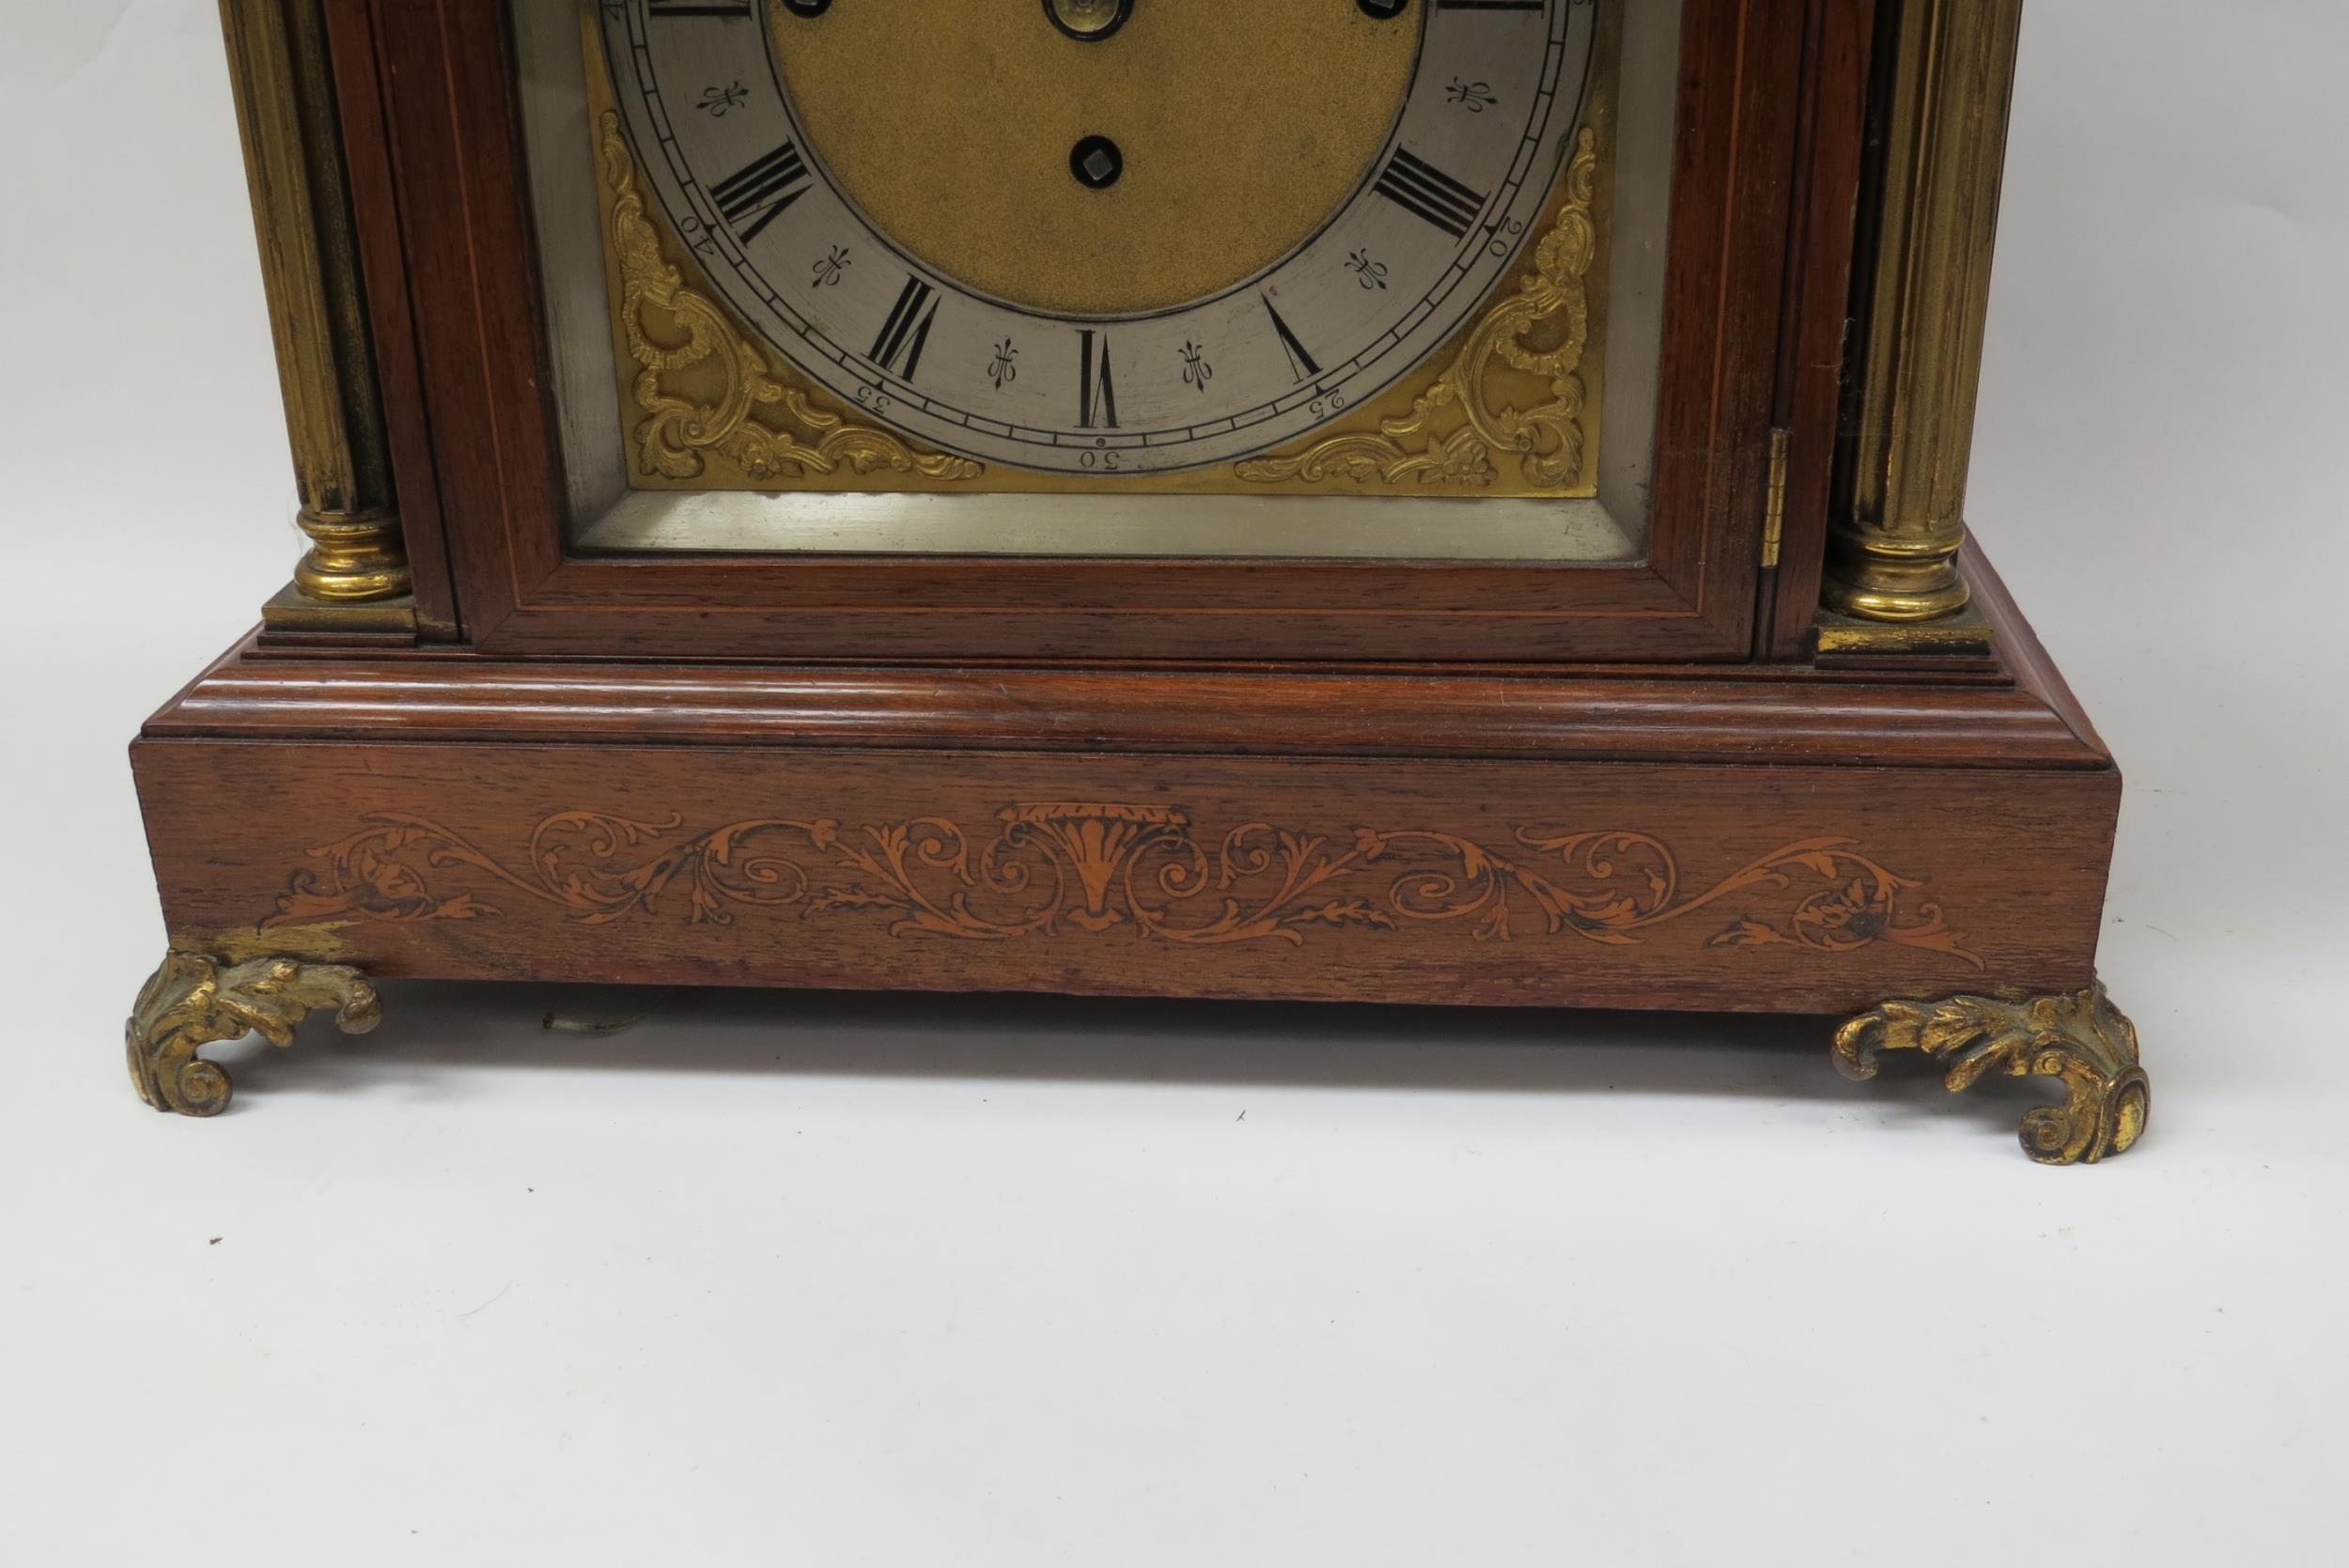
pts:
[1390, 499]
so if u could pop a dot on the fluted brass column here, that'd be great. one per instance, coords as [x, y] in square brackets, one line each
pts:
[1944, 84]
[293, 156]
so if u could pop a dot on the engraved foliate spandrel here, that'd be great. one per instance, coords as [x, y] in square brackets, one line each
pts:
[1476, 414]
[707, 394]
[1436, 208]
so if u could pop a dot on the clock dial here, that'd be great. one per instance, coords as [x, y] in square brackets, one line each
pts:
[958, 137]
[1089, 238]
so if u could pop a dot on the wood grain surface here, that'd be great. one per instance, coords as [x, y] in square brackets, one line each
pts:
[1381, 781]
[1626, 885]
[1650, 717]
[1761, 100]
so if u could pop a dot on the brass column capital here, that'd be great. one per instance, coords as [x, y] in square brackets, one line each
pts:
[302, 213]
[1939, 104]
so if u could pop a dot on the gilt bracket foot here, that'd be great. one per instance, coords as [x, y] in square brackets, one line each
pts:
[2079, 1038]
[194, 1001]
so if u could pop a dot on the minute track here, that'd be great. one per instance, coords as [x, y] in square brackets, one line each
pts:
[1446, 208]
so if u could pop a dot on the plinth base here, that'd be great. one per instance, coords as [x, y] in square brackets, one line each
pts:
[1752, 838]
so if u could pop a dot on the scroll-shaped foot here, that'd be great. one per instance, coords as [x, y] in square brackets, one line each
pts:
[2080, 1038]
[194, 1001]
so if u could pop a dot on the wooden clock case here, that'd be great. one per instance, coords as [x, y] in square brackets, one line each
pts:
[1807, 759]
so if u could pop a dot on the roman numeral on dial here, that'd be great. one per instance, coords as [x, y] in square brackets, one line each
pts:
[1426, 192]
[898, 347]
[756, 195]
[1301, 366]
[1096, 393]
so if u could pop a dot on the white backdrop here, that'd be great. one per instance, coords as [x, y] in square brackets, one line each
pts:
[837, 1280]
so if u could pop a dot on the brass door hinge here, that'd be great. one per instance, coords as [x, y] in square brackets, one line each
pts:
[1774, 523]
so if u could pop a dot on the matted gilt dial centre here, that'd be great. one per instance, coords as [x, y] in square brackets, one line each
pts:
[1240, 128]
[1088, 19]
[1225, 224]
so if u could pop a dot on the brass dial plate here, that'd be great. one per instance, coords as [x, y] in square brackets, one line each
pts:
[1244, 127]
[1438, 218]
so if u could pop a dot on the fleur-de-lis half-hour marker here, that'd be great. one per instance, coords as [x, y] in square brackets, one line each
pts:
[1476, 96]
[1003, 367]
[717, 100]
[829, 269]
[1371, 275]
[1196, 370]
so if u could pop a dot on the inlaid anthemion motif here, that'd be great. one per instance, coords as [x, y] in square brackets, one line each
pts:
[1047, 868]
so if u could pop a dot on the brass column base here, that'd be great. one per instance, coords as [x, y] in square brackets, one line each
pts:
[1962, 637]
[354, 557]
[2080, 1038]
[192, 1002]
[1898, 575]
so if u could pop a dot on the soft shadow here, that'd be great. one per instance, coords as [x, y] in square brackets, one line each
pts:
[443, 1029]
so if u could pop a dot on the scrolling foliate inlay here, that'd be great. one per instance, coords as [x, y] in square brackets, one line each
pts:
[675, 333]
[1041, 869]
[1456, 429]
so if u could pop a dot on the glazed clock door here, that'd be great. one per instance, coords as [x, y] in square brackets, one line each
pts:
[1123, 329]
[908, 204]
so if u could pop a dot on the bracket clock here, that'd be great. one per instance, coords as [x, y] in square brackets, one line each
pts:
[1435, 501]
